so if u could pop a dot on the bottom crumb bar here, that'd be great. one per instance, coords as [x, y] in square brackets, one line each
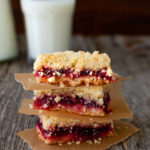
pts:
[54, 130]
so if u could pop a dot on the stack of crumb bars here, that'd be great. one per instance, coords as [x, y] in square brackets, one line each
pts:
[84, 73]
[81, 81]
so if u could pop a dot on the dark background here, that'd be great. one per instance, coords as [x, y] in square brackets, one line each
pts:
[93, 17]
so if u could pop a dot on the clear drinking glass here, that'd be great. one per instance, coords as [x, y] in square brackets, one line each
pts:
[8, 44]
[48, 25]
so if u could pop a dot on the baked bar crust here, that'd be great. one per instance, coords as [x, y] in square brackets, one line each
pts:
[65, 81]
[53, 130]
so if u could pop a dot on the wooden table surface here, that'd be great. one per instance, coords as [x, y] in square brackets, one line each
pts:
[130, 56]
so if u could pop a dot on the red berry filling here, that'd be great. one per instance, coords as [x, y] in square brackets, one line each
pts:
[76, 103]
[47, 72]
[75, 133]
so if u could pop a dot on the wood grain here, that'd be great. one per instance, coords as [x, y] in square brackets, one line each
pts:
[130, 56]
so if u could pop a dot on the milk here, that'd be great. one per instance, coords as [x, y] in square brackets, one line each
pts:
[8, 46]
[48, 25]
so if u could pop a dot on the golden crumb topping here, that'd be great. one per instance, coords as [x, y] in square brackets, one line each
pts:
[48, 121]
[88, 92]
[75, 60]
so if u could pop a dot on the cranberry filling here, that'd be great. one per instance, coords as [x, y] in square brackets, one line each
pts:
[48, 101]
[48, 72]
[76, 132]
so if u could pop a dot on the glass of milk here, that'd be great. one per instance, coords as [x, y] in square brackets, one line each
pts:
[48, 25]
[8, 44]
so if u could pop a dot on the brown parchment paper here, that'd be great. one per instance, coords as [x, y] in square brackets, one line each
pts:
[29, 82]
[119, 108]
[123, 130]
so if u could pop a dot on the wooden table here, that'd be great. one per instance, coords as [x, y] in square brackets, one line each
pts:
[130, 56]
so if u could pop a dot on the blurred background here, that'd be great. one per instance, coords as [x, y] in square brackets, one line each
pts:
[102, 17]
[125, 23]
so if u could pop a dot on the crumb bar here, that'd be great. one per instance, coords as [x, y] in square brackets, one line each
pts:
[55, 130]
[89, 100]
[74, 68]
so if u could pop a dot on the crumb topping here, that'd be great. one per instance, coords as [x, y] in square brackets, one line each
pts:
[88, 92]
[49, 121]
[75, 60]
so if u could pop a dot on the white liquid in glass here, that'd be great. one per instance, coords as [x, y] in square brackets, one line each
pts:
[48, 25]
[8, 45]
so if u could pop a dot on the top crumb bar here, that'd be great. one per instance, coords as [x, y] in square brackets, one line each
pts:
[74, 68]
